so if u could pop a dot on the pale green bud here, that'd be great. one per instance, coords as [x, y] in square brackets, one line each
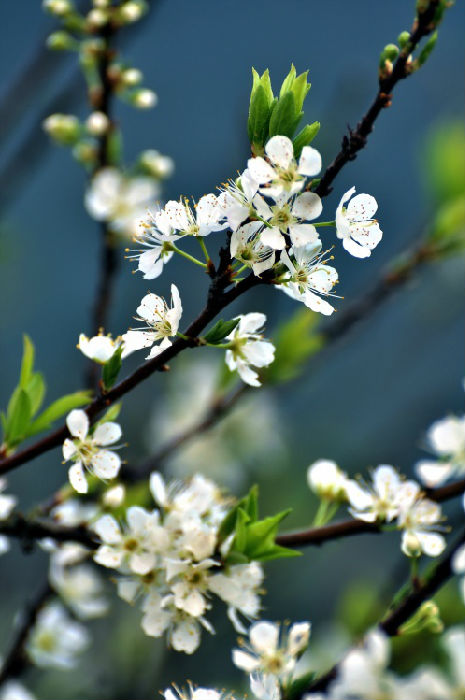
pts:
[131, 76]
[63, 128]
[403, 39]
[144, 99]
[97, 123]
[132, 11]
[97, 17]
[59, 8]
[61, 41]
[85, 152]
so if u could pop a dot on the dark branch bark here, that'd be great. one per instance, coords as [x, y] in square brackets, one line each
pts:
[31, 530]
[357, 138]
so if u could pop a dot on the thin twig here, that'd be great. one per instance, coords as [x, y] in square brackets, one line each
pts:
[402, 612]
[357, 138]
[31, 530]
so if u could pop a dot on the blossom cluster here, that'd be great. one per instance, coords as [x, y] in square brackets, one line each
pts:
[270, 216]
[169, 560]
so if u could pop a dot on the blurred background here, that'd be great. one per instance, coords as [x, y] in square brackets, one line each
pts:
[367, 399]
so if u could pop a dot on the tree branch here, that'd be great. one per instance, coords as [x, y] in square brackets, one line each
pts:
[391, 624]
[357, 138]
[218, 299]
[30, 530]
[315, 536]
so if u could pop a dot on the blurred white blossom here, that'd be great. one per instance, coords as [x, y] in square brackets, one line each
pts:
[56, 640]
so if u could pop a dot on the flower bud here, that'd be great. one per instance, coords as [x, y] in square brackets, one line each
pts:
[97, 17]
[403, 39]
[411, 545]
[144, 99]
[156, 164]
[59, 8]
[131, 11]
[131, 76]
[61, 41]
[63, 128]
[85, 152]
[326, 480]
[97, 123]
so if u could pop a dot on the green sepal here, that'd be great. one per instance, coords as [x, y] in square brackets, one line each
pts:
[112, 368]
[305, 137]
[220, 330]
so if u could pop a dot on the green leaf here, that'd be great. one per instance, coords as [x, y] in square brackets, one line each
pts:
[427, 49]
[110, 414]
[35, 389]
[283, 118]
[304, 137]
[112, 368]
[220, 330]
[18, 417]
[259, 116]
[57, 409]
[27, 362]
[248, 504]
[240, 539]
[300, 88]
[288, 82]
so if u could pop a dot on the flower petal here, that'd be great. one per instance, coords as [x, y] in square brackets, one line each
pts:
[280, 151]
[78, 423]
[309, 162]
[77, 478]
[106, 464]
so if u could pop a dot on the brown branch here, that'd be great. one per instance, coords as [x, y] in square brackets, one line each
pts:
[402, 612]
[16, 659]
[30, 530]
[356, 140]
[315, 536]
[218, 299]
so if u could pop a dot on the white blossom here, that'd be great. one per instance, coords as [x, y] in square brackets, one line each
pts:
[248, 247]
[80, 588]
[87, 451]
[100, 348]
[236, 199]
[360, 233]
[326, 479]
[7, 503]
[380, 500]
[446, 438]
[121, 200]
[114, 497]
[156, 235]
[249, 348]
[420, 518]
[272, 652]
[137, 545]
[309, 277]
[200, 221]
[56, 640]
[279, 173]
[167, 560]
[193, 694]
[162, 324]
[289, 217]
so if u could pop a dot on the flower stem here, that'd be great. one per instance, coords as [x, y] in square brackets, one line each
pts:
[188, 257]
[324, 223]
[204, 248]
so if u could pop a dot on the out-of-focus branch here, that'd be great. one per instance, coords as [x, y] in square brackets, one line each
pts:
[16, 659]
[356, 140]
[31, 530]
[218, 409]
